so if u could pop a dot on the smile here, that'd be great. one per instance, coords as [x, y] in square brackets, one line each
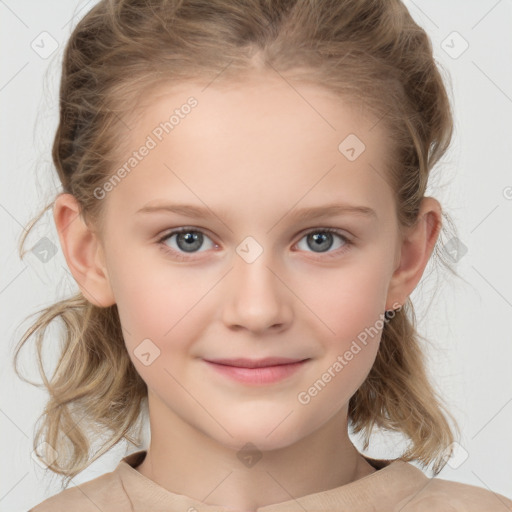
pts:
[257, 375]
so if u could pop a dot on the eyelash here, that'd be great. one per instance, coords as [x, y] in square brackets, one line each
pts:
[179, 256]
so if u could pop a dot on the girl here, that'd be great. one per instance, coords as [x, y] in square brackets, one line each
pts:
[244, 212]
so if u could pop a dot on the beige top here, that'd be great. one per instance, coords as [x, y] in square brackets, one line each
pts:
[395, 486]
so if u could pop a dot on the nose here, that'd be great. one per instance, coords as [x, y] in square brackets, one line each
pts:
[256, 297]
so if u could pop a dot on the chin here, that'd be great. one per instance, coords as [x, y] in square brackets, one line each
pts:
[263, 438]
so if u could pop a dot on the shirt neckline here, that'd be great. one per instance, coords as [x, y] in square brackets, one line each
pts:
[353, 493]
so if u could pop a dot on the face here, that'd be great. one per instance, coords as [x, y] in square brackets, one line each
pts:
[251, 277]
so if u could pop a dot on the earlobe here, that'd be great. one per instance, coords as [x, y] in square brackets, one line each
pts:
[417, 246]
[83, 251]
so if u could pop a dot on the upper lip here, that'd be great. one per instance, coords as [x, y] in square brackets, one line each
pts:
[255, 363]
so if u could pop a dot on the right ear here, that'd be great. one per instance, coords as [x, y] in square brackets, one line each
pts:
[83, 251]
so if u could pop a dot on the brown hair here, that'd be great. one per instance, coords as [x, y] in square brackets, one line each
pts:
[370, 51]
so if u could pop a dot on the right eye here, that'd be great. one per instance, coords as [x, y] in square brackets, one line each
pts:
[187, 241]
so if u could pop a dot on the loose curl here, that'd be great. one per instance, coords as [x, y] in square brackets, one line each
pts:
[367, 51]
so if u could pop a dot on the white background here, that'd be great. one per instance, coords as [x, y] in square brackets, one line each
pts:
[468, 323]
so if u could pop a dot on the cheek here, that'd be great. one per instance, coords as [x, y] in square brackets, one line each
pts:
[349, 303]
[350, 328]
[346, 300]
[160, 302]
[155, 327]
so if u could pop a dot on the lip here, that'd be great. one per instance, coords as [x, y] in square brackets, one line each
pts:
[242, 362]
[258, 372]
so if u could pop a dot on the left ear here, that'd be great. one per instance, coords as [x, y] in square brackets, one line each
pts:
[417, 246]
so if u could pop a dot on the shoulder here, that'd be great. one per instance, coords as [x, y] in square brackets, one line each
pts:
[105, 492]
[447, 496]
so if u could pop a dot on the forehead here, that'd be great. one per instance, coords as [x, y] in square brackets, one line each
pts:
[260, 137]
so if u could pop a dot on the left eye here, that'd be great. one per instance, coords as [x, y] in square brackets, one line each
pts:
[321, 240]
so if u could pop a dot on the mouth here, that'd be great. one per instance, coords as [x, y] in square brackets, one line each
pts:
[257, 372]
[255, 363]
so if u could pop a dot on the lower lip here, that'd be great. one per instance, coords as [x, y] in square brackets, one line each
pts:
[263, 375]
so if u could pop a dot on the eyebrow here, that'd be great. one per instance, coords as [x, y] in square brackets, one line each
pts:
[314, 212]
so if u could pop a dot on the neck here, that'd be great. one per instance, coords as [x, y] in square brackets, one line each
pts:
[184, 460]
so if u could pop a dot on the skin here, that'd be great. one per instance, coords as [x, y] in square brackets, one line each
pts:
[253, 164]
